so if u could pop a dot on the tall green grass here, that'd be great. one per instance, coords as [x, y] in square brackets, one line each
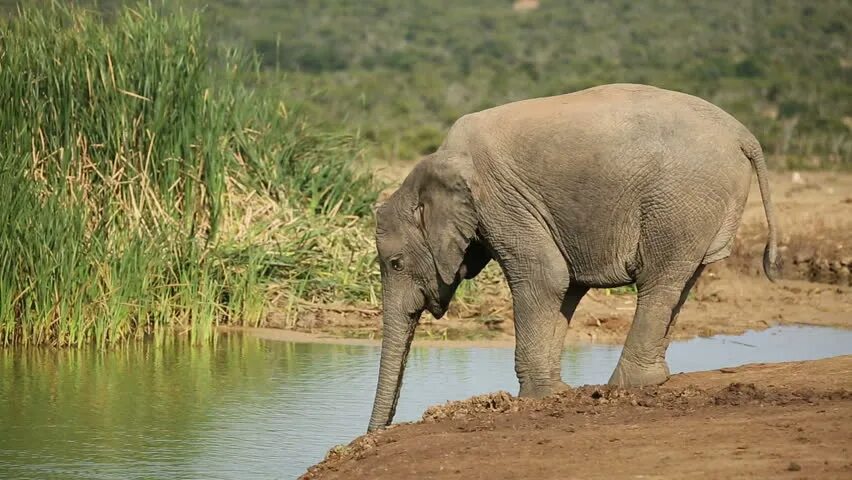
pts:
[143, 189]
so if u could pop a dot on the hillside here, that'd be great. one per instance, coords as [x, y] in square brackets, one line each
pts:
[401, 73]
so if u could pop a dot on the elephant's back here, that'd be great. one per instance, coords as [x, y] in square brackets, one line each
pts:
[627, 127]
[612, 109]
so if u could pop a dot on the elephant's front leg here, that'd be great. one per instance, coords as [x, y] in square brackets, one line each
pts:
[570, 301]
[557, 343]
[538, 292]
[538, 324]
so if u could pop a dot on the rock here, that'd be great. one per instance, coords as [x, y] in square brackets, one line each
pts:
[525, 5]
[797, 179]
[802, 257]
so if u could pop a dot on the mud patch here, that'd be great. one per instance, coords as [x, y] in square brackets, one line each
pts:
[591, 399]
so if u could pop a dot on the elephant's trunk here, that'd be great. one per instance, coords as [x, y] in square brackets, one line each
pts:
[397, 334]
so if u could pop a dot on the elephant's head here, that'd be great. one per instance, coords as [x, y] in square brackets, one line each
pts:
[425, 237]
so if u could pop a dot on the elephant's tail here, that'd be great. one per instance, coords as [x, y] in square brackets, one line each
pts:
[771, 260]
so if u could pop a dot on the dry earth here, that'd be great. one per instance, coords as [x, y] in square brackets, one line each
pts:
[789, 420]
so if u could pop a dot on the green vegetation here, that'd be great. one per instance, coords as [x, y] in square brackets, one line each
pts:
[154, 177]
[142, 188]
[402, 72]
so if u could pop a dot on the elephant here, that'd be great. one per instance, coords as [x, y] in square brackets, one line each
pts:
[603, 187]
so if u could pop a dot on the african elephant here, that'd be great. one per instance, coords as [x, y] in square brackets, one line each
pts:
[603, 187]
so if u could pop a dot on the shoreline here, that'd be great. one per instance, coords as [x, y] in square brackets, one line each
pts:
[285, 335]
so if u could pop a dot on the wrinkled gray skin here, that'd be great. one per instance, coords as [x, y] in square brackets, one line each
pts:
[599, 188]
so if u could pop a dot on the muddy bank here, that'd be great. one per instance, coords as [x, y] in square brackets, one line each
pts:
[788, 420]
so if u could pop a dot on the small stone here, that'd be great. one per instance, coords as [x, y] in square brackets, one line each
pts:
[802, 257]
[525, 5]
[794, 467]
[797, 178]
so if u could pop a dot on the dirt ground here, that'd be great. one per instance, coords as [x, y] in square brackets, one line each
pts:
[815, 215]
[788, 420]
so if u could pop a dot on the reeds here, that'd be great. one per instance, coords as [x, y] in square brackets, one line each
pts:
[144, 189]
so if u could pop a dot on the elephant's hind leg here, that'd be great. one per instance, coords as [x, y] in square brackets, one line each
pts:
[643, 359]
[569, 306]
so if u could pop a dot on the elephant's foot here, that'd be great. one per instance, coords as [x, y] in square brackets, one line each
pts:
[540, 391]
[629, 374]
[560, 386]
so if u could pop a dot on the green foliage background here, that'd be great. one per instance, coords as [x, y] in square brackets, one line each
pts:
[151, 175]
[401, 72]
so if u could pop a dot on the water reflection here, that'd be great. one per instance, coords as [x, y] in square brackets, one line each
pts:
[249, 408]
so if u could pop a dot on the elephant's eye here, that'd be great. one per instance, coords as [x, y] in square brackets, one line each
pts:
[396, 264]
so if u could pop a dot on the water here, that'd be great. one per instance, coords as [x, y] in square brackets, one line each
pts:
[248, 408]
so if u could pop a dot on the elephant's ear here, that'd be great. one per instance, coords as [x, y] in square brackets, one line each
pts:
[446, 209]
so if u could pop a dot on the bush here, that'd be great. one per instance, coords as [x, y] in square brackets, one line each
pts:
[143, 189]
